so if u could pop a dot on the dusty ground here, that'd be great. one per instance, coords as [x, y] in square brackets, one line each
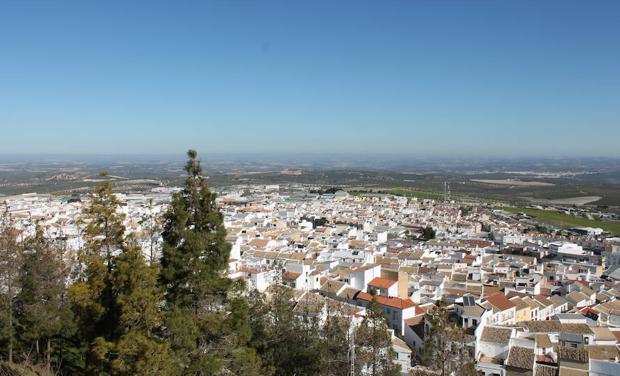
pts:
[578, 201]
[514, 182]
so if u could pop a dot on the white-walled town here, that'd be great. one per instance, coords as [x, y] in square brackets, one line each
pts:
[530, 302]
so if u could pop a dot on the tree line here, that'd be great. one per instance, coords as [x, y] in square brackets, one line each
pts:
[109, 310]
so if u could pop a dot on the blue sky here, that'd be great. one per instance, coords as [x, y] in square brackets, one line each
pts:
[450, 78]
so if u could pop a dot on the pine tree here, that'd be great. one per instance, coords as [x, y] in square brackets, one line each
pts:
[104, 224]
[44, 313]
[307, 357]
[262, 323]
[117, 298]
[204, 323]
[287, 343]
[138, 350]
[92, 295]
[195, 252]
[374, 352]
[428, 233]
[10, 260]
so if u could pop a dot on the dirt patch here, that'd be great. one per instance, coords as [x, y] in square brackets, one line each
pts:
[513, 182]
[577, 201]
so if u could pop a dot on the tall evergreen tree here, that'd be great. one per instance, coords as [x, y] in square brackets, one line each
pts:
[262, 322]
[10, 259]
[104, 224]
[287, 342]
[138, 349]
[92, 295]
[42, 307]
[117, 298]
[195, 252]
[199, 297]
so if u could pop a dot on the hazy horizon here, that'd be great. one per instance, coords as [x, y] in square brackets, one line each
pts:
[387, 161]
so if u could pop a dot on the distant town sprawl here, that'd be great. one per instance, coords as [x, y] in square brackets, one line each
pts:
[530, 299]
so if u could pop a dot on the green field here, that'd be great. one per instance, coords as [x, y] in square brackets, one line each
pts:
[564, 220]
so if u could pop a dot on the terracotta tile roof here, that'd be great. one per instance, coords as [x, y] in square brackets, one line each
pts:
[490, 290]
[500, 302]
[390, 302]
[586, 310]
[549, 326]
[519, 303]
[576, 329]
[473, 311]
[557, 300]
[545, 291]
[496, 335]
[520, 357]
[533, 303]
[544, 370]
[348, 293]
[477, 243]
[291, 276]
[381, 283]
[576, 296]
[566, 371]
[413, 321]
[400, 343]
[602, 352]
[572, 354]
[543, 300]
[332, 286]
[543, 341]
[259, 243]
[545, 359]
[363, 268]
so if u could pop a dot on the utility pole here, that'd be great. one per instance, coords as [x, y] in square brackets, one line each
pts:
[352, 349]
